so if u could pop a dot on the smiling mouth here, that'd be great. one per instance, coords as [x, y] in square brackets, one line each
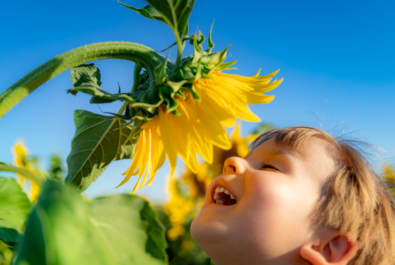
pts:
[223, 196]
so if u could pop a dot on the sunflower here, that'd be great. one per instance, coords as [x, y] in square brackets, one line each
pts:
[199, 125]
[177, 208]
[22, 160]
[389, 176]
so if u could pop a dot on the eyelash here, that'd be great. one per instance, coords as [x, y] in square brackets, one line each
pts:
[269, 166]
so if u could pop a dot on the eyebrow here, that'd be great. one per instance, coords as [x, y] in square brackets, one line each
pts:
[278, 152]
[273, 152]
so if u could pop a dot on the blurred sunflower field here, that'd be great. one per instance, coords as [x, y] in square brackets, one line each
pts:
[175, 109]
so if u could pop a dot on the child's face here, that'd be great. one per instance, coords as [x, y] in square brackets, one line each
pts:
[275, 190]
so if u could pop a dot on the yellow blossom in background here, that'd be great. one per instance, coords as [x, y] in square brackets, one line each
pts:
[196, 184]
[241, 143]
[240, 148]
[177, 209]
[389, 176]
[21, 160]
[200, 124]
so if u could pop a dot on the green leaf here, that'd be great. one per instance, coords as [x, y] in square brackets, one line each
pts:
[116, 230]
[86, 75]
[5, 254]
[14, 208]
[86, 79]
[10, 236]
[95, 145]
[175, 13]
[147, 11]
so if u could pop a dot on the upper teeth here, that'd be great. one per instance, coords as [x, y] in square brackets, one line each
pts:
[218, 190]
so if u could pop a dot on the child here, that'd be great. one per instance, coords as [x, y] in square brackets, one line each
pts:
[299, 197]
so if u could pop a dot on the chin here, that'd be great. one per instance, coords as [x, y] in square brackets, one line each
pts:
[208, 236]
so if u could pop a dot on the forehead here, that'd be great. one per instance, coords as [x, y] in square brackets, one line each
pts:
[314, 156]
[306, 147]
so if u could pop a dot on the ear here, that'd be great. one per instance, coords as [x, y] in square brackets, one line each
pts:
[337, 249]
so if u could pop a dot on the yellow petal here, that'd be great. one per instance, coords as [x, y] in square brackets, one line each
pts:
[212, 130]
[134, 167]
[182, 131]
[148, 156]
[168, 139]
[200, 143]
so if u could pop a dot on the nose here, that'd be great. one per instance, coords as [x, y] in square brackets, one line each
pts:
[234, 165]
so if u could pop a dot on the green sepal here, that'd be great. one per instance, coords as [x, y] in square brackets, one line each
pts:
[198, 74]
[167, 93]
[210, 40]
[225, 66]
[141, 114]
[189, 87]
[175, 86]
[160, 71]
[197, 51]
[147, 11]
[170, 102]
[214, 59]
[186, 73]
[175, 112]
[199, 37]
[148, 99]
[149, 115]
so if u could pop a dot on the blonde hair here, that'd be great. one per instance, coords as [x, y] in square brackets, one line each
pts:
[354, 199]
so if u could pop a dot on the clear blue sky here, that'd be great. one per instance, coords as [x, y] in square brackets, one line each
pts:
[336, 57]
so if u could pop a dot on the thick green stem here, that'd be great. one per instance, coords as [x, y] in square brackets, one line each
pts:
[136, 76]
[123, 108]
[180, 48]
[147, 57]
[28, 174]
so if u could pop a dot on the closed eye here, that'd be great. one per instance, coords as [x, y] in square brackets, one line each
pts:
[269, 166]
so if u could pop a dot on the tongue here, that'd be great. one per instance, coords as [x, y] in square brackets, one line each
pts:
[226, 200]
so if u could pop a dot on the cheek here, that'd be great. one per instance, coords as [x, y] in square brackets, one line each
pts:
[268, 194]
[277, 196]
[273, 213]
